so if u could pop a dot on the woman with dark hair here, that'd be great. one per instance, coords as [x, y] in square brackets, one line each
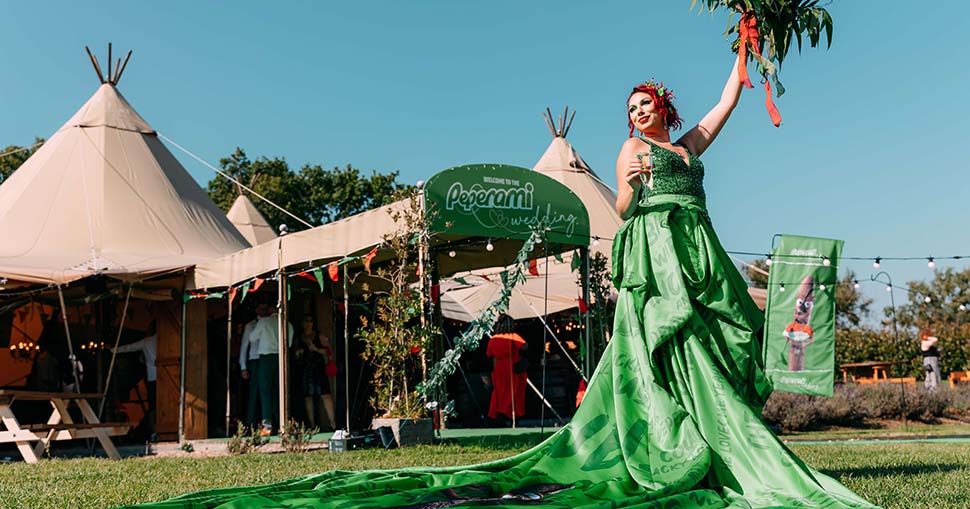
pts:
[317, 395]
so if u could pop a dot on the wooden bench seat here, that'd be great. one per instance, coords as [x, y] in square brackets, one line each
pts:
[81, 425]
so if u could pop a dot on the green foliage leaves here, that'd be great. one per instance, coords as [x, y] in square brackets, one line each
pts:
[314, 194]
[395, 340]
[779, 23]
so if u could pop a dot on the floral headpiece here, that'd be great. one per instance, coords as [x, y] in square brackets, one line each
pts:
[663, 103]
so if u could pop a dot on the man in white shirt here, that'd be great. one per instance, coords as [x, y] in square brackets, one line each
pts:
[266, 336]
[249, 364]
[148, 347]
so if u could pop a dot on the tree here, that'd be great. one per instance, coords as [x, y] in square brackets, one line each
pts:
[343, 192]
[758, 273]
[16, 156]
[850, 305]
[313, 194]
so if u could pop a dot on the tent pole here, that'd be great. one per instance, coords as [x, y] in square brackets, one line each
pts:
[545, 330]
[438, 321]
[584, 253]
[228, 359]
[281, 324]
[182, 377]
[346, 352]
[111, 364]
[70, 344]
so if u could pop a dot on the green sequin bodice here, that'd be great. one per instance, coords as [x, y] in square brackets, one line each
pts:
[671, 175]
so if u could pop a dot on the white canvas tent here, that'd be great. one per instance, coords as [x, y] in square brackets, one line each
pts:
[104, 196]
[249, 221]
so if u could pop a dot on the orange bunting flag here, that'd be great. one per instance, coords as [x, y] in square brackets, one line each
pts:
[232, 293]
[534, 267]
[368, 257]
[257, 283]
[583, 308]
[332, 269]
[580, 392]
[748, 35]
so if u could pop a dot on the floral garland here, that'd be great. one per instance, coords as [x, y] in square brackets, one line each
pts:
[481, 326]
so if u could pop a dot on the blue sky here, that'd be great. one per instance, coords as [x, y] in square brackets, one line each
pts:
[870, 149]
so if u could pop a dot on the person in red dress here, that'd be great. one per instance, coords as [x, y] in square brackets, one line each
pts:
[506, 348]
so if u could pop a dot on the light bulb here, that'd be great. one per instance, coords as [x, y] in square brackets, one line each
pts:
[826, 261]
[596, 241]
[875, 264]
[931, 263]
[781, 288]
[963, 307]
[856, 285]
[489, 246]
[821, 286]
[451, 254]
[768, 261]
[927, 299]
[889, 288]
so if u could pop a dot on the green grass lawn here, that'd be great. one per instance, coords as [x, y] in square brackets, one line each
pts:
[910, 476]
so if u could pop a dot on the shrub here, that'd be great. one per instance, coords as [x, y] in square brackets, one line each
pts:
[852, 405]
[246, 440]
[296, 436]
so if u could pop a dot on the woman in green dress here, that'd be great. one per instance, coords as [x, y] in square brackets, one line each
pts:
[671, 417]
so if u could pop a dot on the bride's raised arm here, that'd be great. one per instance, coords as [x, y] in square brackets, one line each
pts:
[702, 135]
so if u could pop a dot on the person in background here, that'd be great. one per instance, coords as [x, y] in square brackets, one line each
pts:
[148, 347]
[505, 348]
[266, 336]
[249, 365]
[931, 358]
[317, 394]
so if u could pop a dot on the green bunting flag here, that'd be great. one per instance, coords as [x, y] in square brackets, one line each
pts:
[577, 261]
[799, 329]
[244, 291]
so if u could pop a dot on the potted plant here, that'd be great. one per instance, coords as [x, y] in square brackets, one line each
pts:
[396, 338]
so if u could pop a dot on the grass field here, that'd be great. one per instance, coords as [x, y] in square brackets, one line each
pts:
[895, 476]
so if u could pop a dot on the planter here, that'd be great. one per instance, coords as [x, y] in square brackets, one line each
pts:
[407, 431]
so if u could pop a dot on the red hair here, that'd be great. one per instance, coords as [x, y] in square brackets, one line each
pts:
[662, 103]
[925, 333]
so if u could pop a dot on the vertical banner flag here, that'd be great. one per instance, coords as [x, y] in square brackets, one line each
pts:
[799, 329]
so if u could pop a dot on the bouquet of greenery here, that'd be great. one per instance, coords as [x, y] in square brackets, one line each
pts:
[765, 34]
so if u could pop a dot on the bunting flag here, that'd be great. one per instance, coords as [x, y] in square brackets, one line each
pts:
[461, 281]
[580, 392]
[534, 267]
[583, 307]
[333, 268]
[232, 293]
[576, 262]
[558, 256]
[245, 291]
[257, 283]
[368, 257]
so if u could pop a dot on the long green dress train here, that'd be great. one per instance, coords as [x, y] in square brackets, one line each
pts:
[671, 417]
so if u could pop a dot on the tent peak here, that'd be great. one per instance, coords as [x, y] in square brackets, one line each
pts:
[113, 76]
[561, 128]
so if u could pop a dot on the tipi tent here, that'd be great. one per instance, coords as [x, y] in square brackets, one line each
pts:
[104, 196]
[248, 220]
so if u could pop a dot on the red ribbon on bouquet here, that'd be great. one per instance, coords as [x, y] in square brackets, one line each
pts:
[748, 34]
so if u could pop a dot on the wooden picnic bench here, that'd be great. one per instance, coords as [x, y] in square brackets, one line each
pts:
[59, 426]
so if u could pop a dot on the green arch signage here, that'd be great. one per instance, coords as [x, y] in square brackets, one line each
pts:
[501, 201]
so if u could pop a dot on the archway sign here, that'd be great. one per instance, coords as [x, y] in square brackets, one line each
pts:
[501, 201]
